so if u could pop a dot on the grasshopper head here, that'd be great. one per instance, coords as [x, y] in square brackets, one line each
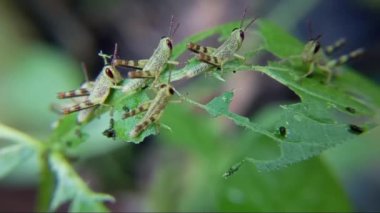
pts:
[311, 49]
[238, 35]
[166, 87]
[166, 43]
[112, 74]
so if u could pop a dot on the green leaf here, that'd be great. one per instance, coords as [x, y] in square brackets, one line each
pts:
[310, 129]
[122, 127]
[71, 187]
[12, 156]
[14, 135]
[203, 154]
[277, 41]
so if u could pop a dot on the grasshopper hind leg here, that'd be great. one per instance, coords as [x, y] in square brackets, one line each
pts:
[77, 107]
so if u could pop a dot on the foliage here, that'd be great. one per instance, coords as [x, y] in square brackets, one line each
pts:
[326, 116]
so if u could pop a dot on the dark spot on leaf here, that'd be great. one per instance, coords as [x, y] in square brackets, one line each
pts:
[125, 108]
[350, 110]
[69, 143]
[354, 129]
[234, 71]
[282, 131]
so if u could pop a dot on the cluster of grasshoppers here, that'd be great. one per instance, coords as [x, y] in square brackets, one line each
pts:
[147, 75]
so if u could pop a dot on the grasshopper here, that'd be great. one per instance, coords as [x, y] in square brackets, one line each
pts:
[78, 96]
[315, 56]
[108, 78]
[217, 57]
[149, 68]
[153, 108]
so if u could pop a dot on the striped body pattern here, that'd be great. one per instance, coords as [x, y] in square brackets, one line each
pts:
[154, 109]
[137, 64]
[74, 93]
[212, 57]
[108, 78]
[151, 68]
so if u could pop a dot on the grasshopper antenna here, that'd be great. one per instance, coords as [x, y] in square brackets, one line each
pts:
[172, 30]
[249, 24]
[85, 72]
[310, 32]
[242, 17]
[114, 56]
[309, 29]
[171, 25]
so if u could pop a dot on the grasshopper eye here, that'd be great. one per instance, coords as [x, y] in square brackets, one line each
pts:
[317, 47]
[109, 73]
[171, 91]
[242, 34]
[169, 43]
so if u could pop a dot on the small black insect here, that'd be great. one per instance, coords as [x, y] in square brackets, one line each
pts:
[282, 131]
[233, 169]
[350, 110]
[110, 132]
[125, 109]
[234, 71]
[355, 129]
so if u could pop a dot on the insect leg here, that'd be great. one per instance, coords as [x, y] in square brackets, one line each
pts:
[137, 64]
[240, 57]
[310, 71]
[329, 72]
[142, 74]
[141, 108]
[175, 63]
[336, 46]
[199, 49]
[344, 58]
[77, 107]
[210, 59]
[74, 93]
[143, 125]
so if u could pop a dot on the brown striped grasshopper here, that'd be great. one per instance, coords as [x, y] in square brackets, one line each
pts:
[153, 108]
[108, 78]
[149, 68]
[315, 56]
[217, 57]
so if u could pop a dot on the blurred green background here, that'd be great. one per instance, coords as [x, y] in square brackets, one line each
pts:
[43, 42]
